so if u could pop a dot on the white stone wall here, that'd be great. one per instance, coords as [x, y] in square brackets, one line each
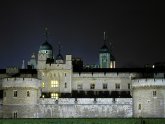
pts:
[23, 111]
[21, 85]
[57, 72]
[99, 79]
[20, 82]
[85, 108]
[151, 106]
[21, 98]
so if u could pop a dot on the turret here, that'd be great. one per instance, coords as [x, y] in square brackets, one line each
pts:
[59, 57]
[20, 96]
[148, 97]
[45, 54]
[104, 55]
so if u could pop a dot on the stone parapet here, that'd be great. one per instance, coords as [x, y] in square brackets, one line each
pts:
[21, 82]
[85, 101]
[148, 83]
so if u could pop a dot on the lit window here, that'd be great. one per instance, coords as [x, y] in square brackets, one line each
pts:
[28, 93]
[79, 86]
[14, 114]
[54, 95]
[154, 93]
[139, 107]
[15, 93]
[43, 84]
[92, 86]
[104, 86]
[54, 83]
[117, 86]
[129, 86]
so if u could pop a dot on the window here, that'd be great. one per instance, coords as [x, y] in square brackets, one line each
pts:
[139, 107]
[154, 93]
[54, 83]
[79, 86]
[54, 95]
[104, 86]
[65, 85]
[15, 93]
[14, 114]
[129, 86]
[92, 86]
[117, 86]
[28, 93]
[43, 84]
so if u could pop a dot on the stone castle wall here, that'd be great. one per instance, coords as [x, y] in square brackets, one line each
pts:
[111, 79]
[20, 82]
[84, 108]
[143, 93]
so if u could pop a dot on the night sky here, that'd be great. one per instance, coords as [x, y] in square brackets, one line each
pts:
[135, 28]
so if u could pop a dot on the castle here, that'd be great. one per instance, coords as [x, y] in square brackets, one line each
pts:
[58, 87]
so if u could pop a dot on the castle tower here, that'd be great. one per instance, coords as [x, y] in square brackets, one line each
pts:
[104, 55]
[32, 64]
[59, 57]
[20, 96]
[148, 97]
[45, 53]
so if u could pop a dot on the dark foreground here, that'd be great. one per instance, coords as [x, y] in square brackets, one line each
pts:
[84, 121]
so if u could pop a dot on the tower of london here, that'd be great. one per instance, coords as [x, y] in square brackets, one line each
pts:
[57, 86]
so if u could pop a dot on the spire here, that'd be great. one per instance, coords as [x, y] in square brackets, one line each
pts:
[46, 33]
[59, 57]
[110, 43]
[104, 37]
[59, 48]
[23, 64]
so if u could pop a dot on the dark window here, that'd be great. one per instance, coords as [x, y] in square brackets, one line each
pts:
[139, 107]
[15, 93]
[15, 114]
[92, 86]
[104, 86]
[65, 85]
[117, 86]
[129, 86]
[154, 93]
[28, 93]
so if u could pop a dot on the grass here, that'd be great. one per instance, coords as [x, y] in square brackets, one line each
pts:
[84, 121]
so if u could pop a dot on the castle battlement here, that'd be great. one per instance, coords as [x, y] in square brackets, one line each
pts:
[102, 74]
[20, 82]
[148, 82]
[85, 101]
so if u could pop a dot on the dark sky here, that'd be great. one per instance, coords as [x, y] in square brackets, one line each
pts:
[136, 28]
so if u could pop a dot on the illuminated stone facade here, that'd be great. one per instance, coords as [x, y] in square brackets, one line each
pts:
[55, 90]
